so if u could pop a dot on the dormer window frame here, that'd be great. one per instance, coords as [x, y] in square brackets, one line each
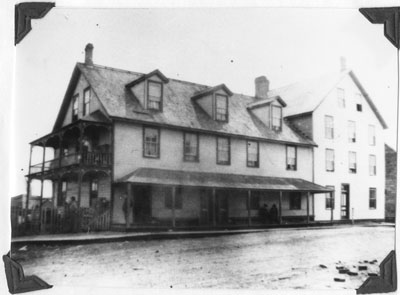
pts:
[75, 107]
[216, 118]
[87, 97]
[161, 84]
[272, 126]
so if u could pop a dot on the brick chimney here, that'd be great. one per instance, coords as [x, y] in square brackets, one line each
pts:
[89, 54]
[262, 87]
[343, 66]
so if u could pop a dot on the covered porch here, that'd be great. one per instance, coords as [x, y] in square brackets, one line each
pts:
[161, 198]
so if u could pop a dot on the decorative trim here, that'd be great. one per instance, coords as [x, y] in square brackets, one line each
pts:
[24, 12]
[390, 17]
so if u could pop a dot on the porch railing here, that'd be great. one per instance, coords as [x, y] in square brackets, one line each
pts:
[89, 158]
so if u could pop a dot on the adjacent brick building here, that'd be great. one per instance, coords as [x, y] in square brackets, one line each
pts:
[391, 183]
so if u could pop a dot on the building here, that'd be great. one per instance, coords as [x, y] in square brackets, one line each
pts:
[20, 201]
[391, 183]
[336, 113]
[142, 150]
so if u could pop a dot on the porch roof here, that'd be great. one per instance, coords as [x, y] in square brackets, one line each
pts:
[220, 180]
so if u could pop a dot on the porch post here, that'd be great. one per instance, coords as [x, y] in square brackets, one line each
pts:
[28, 189]
[173, 205]
[313, 205]
[214, 203]
[41, 188]
[280, 207]
[308, 207]
[128, 203]
[248, 207]
[61, 152]
[332, 195]
[80, 188]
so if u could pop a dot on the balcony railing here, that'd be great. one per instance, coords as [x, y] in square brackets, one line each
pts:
[86, 159]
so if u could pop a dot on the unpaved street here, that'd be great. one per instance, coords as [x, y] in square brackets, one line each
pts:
[283, 258]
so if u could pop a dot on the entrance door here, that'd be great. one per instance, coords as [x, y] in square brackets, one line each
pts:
[222, 207]
[206, 209]
[142, 204]
[344, 201]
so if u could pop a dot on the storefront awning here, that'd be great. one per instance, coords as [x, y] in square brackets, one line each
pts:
[220, 180]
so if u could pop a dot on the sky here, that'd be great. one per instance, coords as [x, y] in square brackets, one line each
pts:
[206, 46]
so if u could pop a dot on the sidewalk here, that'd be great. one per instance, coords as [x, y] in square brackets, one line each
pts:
[110, 236]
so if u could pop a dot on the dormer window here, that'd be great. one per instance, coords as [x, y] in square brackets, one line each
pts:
[75, 107]
[154, 95]
[276, 122]
[221, 107]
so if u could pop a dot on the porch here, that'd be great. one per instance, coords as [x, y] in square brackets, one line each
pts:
[163, 199]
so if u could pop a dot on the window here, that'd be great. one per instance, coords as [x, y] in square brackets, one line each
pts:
[329, 127]
[352, 162]
[295, 201]
[191, 147]
[351, 126]
[341, 98]
[372, 198]
[75, 107]
[168, 198]
[255, 200]
[330, 160]
[276, 118]
[62, 194]
[253, 154]
[372, 165]
[223, 151]
[94, 190]
[371, 135]
[221, 107]
[151, 141]
[154, 96]
[329, 199]
[291, 157]
[86, 101]
[358, 100]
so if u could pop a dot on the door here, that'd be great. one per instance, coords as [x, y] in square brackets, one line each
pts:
[344, 201]
[222, 207]
[204, 207]
[142, 204]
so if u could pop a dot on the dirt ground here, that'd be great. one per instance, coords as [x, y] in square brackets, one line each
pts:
[274, 259]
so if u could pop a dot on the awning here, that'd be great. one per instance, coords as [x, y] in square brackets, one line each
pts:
[220, 180]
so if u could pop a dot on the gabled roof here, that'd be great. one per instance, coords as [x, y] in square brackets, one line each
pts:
[220, 180]
[262, 102]
[305, 97]
[211, 90]
[179, 110]
[146, 76]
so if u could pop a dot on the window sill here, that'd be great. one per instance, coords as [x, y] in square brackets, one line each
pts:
[151, 157]
[224, 164]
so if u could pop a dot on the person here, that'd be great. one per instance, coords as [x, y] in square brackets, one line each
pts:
[274, 214]
[73, 211]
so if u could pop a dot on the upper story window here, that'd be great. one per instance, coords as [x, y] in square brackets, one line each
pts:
[223, 151]
[276, 118]
[372, 198]
[75, 107]
[86, 101]
[372, 165]
[351, 126]
[330, 199]
[295, 201]
[151, 142]
[341, 98]
[154, 95]
[253, 154]
[221, 107]
[329, 127]
[291, 157]
[330, 160]
[352, 162]
[371, 135]
[358, 100]
[191, 147]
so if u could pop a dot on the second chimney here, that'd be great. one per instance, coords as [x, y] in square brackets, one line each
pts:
[262, 87]
[89, 54]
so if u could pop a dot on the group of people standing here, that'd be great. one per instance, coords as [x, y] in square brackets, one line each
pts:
[269, 215]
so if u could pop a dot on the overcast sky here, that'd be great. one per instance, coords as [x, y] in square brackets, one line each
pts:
[207, 46]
